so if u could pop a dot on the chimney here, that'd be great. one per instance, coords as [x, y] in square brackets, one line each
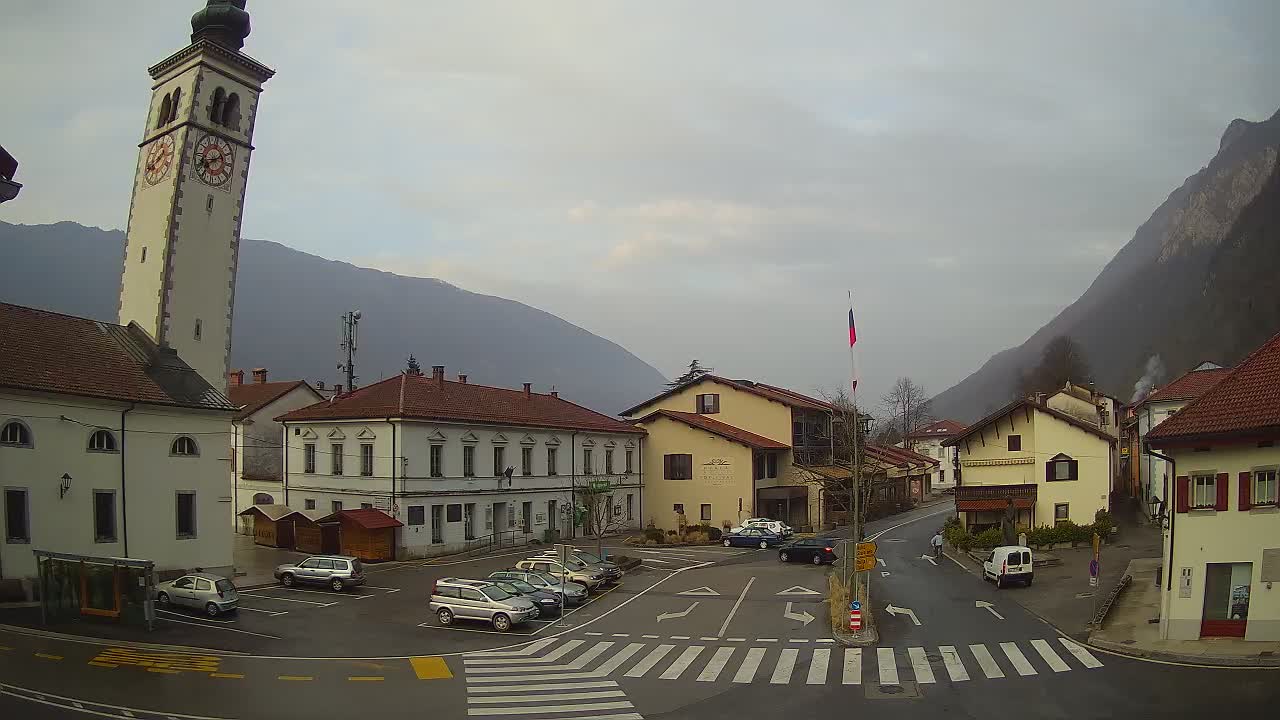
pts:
[528, 390]
[462, 378]
[259, 375]
[236, 377]
[555, 393]
[437, 374]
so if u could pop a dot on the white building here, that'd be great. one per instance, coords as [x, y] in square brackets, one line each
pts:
[1222, 529]
[110, 445]
[257, 463]
[432, 454]
[1153, 473]
[928, 441]
[113, 438]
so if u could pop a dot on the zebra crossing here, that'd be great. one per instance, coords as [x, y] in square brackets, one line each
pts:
[524, 685]
[559, 660]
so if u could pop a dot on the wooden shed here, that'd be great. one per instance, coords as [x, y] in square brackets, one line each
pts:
[306, 530]
[365, 533]
[271, 526]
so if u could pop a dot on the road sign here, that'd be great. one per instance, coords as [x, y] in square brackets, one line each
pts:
[867, 549]
[598, 485]
[1093, 568]
[863, 564]
[855, 605]
[855, 620]
[1093, 582]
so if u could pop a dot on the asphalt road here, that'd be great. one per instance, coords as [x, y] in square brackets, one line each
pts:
[695, 633]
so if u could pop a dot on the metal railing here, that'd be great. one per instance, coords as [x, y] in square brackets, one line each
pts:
[495, 541]
[997, 492]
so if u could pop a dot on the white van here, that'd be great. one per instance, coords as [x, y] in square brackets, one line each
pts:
[1008, 562]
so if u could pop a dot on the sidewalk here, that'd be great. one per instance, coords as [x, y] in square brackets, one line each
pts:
[1127, 629]
[255, 563]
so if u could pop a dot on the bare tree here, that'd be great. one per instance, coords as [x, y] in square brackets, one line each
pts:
[601, 515]
[694, 372]
[907, 405]
[837, 479]
[1062, 360]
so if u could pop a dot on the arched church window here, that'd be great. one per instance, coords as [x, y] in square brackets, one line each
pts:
[165, 108]
[215, 108]
[173, 110]
[231, 112]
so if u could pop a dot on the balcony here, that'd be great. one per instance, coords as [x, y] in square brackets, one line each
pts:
[974, 498]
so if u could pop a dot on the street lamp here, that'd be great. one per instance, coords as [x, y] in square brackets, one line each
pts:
[65, 487]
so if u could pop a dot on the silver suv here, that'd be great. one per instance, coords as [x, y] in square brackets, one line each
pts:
[337, 571]
[569, 571]
[479, 600]
[574, 594]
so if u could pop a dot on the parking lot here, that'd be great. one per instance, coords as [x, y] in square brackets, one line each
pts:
[387, 617]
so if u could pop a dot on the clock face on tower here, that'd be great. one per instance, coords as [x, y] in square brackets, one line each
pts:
[214, 160]
[159, 158]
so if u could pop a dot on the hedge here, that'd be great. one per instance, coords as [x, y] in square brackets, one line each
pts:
[1066, 532]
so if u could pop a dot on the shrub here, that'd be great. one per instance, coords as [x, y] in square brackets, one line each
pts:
[838, 597]
[956, 536]
[653, 534]
[989, 538]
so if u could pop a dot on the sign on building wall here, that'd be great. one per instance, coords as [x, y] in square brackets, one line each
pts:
[1184, 583]
[382, 503]
[717, 472]
[1271, 565]
[540, 519]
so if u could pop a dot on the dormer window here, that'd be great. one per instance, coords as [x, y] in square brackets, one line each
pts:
[708, 404]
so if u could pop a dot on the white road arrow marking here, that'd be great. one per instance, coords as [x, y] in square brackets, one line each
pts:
[804, 617]
[881, 561]
[668, 616]
[895, 611]
[930, 559]
[988, 606]
[703, 591]
[798, 590]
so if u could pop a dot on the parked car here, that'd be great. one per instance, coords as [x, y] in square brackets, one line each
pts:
[339, 572]
[612, 573]
[573, 571]
[1008, 562]
[210, 593]
[544, 601]
[574, 593]
[479, 600]
[753, 537]
[814, 550]
[777, 526]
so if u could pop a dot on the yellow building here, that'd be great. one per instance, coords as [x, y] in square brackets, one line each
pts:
[1053, 466]
[721, 451]
[1222, 533]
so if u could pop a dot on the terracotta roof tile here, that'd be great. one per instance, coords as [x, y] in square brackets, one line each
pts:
[724, 430]
[1190, 386]
[1246, 401]
[421, 397]
[50, 352]
[993, 504]
[1018, 404]
[252, 397]
[898, 456]
[940, 428]
[367, 518]
[769, 392]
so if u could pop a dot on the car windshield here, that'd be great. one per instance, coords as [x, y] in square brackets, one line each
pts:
[520, 586]
[586, 557]
[546, 577]
[494, 592]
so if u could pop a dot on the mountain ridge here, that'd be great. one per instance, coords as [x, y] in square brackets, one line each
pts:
[288, 305]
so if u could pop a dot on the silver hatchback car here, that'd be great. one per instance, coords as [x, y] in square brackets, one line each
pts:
[210, 593]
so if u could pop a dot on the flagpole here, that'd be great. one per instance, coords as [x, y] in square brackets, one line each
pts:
[857, 466]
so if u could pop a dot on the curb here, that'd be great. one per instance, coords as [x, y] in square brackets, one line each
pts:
[1223, 661]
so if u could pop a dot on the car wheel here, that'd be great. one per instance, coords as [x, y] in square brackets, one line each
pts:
[783, 556]
[501, 622]
[536, 613]
[817, 559]
[764, 544]
[727, 543]
[336, 584]
[445, 616]
[286, 580]
[1029, 580]
[163, 600]
[211, 610]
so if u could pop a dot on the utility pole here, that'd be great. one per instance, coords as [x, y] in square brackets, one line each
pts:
[350, 327]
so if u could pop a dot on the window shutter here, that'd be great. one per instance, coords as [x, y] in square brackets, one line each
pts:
[1048, 471]
[666, 467]
[1075, 469]
[1184, 493]
[1246, 490]
[1221, 486]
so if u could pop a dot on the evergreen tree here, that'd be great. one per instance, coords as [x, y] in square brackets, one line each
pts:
[694, 372]
[414, 368]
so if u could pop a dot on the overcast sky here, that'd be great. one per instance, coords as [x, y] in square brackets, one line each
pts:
[694, 179]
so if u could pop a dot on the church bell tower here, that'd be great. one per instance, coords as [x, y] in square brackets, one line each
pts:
[183, 238]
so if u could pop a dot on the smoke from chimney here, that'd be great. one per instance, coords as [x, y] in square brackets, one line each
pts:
[1153, 374]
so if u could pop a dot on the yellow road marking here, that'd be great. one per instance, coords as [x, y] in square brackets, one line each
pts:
[294, 677]
[47, 656]
[365, 678]
[95, 663]
[235, 676]
[430, 668]
[166, 671]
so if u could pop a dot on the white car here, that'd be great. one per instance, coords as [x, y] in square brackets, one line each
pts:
[1008, 562]
[776, 526]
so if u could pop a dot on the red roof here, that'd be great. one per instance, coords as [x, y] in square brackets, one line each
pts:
[993, 504]
[1190, 386]
[1019, 404]
[50, 352]
[252, 397]
[940, 429]
[367, 518]
[769, 392]
[425, 398]
[898, 456]
[724, 430]
[1246, 401]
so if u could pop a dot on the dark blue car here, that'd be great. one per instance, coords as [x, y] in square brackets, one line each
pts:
[753, 537]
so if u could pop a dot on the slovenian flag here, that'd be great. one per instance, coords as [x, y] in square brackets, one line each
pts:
[853, 351]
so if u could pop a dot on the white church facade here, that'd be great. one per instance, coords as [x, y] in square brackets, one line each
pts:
[113, 437]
